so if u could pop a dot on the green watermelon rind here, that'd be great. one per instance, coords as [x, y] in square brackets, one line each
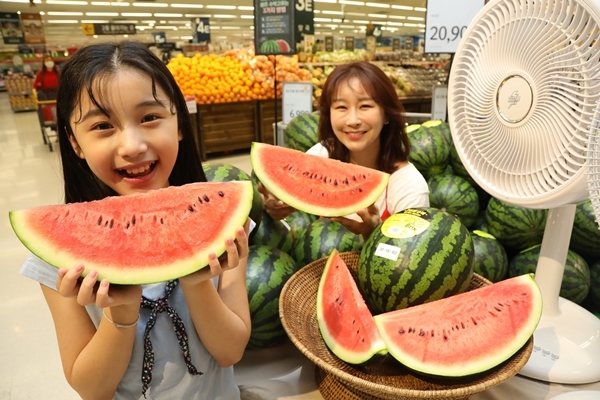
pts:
[378, 347]
[43, 248]
[260, 152]
[464, 367]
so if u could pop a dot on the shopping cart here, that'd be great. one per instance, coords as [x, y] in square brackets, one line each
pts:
[45, 101]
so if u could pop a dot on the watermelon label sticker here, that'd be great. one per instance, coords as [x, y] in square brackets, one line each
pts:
[387, 251]
[403, 226]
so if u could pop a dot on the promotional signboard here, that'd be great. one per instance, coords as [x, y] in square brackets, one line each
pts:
[12, 33]
[201, 30]
[446, 22]
[274, 27]
[33, 28]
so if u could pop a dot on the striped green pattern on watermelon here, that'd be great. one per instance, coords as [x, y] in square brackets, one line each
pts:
[458, 167]
[515, 227]
[321, 237]
[585, 238]
[302, 132]
[298, 221]
[491, 260]
[453, 194]
[434, 253]
[272, 233]
[442, 128]
[430, 153]
[594, 294]
[576, 278]
[268, 270]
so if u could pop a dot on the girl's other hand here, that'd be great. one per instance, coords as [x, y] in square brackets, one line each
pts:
[370, 219]
[276, 208]
[89, 291]
[236, 250]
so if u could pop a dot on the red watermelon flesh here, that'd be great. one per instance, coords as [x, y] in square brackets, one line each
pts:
[345, 322]
[314, 184]
[467, 333]
[141, 238]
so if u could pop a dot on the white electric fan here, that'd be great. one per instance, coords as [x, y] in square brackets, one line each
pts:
[521, 98]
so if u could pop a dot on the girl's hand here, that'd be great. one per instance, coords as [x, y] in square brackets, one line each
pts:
[276, 208]
[370, 219]
[89, 291]
[236, 250]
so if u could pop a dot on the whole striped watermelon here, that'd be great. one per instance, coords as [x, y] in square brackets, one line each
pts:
[268, 269]
[302, 132]
[416, 256]
[453, 194]
[585, 237]
[298, 221]
[515, 227]
[441, 127]
[321, 237]
[430, 153]
[491, 260]
[458, 167]
[576, 278]
[272, 233]
[227, 173]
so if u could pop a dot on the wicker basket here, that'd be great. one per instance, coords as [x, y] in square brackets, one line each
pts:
[387, 379]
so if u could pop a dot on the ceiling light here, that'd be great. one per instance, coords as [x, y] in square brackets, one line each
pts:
[230, 27]
[422, 9]
[64, 13]
[224, 16]
[136, 14]
[352, 3]
[62, 21]
[67, 3]
[20, 1]
[397, 16]
[168, 15]
[94, 21]
[402, 7]
[177, 5]
[110, 3]
[324, 1]
[394, 23]
[378, 5]
[186, 37]
[150, 4]
[197, 15]
[407, 24]
[102, 14]
[377, 15]
[356, 21]
[356, 14]
[333, 12]
[221, 7]
[416, 18]
[322, 19]
[246, 8]
[247, 16]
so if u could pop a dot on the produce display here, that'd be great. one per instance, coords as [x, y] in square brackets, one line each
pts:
[344, 319]
[430, 152]
[302, 132]
[268, 269]
[140, 238]
[455, 195]
[314, 184]
[491, 260]
[467, 333]
[416, 256]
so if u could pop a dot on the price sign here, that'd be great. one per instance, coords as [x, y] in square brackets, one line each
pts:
[297, 99]
[446, 23]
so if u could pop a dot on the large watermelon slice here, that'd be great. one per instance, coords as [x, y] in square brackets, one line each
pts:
[467, 333]
[141, 238]
[314, 184]
[344, 319]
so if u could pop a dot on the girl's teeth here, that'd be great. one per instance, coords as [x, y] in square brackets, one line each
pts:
[138, 170]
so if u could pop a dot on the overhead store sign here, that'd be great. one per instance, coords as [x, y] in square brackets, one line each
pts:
[274, 27]
[446, 23]
[11, 28]
[108, 29]
[304, 19]
[201, 30]
[33, 28]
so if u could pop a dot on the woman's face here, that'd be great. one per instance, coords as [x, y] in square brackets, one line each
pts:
[134, 148]
[357, 119]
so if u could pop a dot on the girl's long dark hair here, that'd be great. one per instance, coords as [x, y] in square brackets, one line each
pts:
[394, 143]
[82, 73]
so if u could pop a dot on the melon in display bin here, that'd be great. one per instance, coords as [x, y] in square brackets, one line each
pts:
[416, 256]
[140, 238]
[316, 185]
[302, 132]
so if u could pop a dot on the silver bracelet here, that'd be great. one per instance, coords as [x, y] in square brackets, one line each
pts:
[120, 325]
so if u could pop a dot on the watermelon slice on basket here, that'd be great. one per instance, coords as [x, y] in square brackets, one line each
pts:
[344, 319]
[141, 238]
[467, 333]
[314, 184]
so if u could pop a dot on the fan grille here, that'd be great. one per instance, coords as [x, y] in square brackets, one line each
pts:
[593, 159]
[551, 47]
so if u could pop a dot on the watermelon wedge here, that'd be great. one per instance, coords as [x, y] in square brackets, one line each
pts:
[314, 184]
[345, 322]
[467, 333]
[141, 238]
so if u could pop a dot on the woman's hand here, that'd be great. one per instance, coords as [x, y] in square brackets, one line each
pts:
[370, 219]
[236, 250]
[276, 208]
[89, 291]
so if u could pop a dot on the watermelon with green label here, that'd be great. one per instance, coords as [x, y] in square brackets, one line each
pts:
[302, 132]
[316, 185]
[429, 151]
[272, 233]
[575, 283]
[464, 334]
[585, 237]
[453, 194]
[267, 271]
[491, 260]
[140, 238]
[515, 227]
[344, 320]
[228, 173]
[321, 237]
[416, 256]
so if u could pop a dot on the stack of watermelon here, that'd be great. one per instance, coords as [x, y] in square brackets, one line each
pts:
[302, 132]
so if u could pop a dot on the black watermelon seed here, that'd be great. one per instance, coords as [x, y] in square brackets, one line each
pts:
[359, 189]
[161, 221]
[127, 226]
[401, 331]
[111, 224]
[200, 200]
[191, 208]
[221, 194]
[206, 199]
[100, 220]
[421, 333]
[133, 220]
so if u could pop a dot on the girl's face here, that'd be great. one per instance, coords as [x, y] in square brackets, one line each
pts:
[133, 149]
[357, 119]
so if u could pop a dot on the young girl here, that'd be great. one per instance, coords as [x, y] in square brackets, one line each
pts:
[361, 122]
[124, 128]
[47, 76]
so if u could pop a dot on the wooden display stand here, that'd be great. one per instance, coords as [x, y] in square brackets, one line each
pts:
[266, 116]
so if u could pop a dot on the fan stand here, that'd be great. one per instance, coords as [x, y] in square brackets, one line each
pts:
[566, 343]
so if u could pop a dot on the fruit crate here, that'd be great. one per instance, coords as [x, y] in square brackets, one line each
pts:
[266, 116]
[227, 127]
